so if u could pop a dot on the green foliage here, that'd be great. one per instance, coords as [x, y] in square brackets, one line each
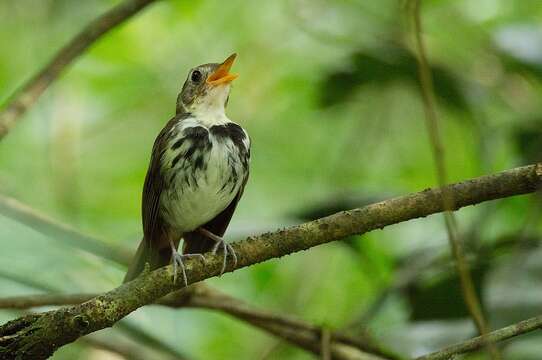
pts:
[329, 93]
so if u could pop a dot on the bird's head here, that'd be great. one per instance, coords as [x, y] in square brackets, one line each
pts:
[207, 88]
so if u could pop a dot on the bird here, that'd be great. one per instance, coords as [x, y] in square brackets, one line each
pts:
[197, 173]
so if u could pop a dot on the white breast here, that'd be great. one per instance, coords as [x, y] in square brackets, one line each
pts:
[203, 184]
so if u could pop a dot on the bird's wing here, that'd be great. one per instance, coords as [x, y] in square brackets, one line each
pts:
[154, 248]
[153, 224]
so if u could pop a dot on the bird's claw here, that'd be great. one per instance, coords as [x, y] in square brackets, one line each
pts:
[227, 249]
[220, 243]
[177, 260]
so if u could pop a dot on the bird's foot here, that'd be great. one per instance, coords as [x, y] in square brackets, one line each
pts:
[220, 243]
[228, 250]
[178, 262]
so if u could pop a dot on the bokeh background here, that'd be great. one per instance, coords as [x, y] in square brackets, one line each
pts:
[329, 94]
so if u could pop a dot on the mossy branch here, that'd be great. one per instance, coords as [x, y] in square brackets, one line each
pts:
[293, 330]
[37, 336]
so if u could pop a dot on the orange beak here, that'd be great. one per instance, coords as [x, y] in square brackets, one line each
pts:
[222, 73]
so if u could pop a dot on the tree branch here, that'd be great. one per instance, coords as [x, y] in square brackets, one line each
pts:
[33, 88]
[120, 349]
[201, 296]
[40, 222]
[43, 224]
[39, 335]
[477, 343]
[30, 301]
[126, 352]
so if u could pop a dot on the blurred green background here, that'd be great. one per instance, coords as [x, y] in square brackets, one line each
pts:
[329, 94]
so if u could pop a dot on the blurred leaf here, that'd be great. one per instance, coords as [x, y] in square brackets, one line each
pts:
[521, 48]
[334, 203]
[383, 68]
[442, 298]
[528, 140]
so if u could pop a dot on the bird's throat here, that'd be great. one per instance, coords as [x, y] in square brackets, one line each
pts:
[210, 108]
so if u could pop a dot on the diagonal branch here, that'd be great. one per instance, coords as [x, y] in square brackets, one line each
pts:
[39, 335]
[42, 223]
[127, 352]
[474, 344]
[29, 301]
[275, 324]
[292, 330]
[22, 100]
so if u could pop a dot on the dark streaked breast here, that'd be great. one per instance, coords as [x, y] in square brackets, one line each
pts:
[196, 142]
[237, 135]
[205, 169]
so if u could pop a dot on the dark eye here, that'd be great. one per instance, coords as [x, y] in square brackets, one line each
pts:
[196, 76]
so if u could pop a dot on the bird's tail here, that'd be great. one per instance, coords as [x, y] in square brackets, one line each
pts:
[156, 257]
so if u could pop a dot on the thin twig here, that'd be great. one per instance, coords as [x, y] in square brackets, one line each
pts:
[325, 346]
[44, 224]
[150, 341]
[35, 336]
[408, 271]
[127, 352]
[430, 260]
[469, 293]
[23, 99]
[474, 344]
[37, 300]
[269, 351]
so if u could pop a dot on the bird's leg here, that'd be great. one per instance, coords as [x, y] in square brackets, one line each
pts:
[227, 248]
[177, 260]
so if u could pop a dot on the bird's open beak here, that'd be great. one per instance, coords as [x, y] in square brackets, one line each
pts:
[222, 74]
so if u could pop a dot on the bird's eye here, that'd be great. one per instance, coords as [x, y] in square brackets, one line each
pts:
[196, 76]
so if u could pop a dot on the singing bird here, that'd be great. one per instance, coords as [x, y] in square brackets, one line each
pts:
[197, 173]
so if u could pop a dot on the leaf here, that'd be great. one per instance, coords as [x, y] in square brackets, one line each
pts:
[528, 140]
[443, 299]
[383, 68]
